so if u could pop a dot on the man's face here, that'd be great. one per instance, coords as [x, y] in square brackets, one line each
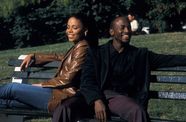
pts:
[121, 30]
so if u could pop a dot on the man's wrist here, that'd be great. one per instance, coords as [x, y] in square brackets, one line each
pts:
[98, 101]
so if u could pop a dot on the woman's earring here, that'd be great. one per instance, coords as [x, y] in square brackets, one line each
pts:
[86, 33]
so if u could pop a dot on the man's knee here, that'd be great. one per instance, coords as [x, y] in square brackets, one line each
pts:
[132, 110]
[136, 109]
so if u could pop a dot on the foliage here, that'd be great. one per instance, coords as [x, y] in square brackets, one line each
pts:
[34, 25]
[167, 14]
[8, 6]
[26, 23]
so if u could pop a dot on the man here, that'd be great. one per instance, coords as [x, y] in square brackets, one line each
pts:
[115, 78]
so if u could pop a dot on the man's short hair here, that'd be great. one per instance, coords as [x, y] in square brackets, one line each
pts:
[116, 17]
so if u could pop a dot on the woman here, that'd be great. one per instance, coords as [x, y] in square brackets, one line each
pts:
[44, 96]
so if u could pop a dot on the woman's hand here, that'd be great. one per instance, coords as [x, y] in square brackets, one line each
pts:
[100, 110]
[26, 62]
[37, 84]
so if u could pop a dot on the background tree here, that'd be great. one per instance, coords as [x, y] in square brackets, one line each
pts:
[26, 23]
[167, 15]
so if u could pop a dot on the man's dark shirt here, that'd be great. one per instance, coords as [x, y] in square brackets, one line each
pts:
[121, 72]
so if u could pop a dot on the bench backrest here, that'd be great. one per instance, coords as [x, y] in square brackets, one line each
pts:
[172, 76]
[44, 72]
[169, 75]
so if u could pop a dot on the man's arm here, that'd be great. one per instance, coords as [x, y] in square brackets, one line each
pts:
[100, 110]
[161, 60]
[89, 86]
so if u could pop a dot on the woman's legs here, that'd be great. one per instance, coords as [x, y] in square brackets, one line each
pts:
[25, 94]
[5, 103]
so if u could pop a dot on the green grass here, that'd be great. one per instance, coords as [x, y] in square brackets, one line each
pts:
[167, 43]
[14, 53]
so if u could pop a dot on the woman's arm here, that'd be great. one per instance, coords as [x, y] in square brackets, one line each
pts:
[71, 70]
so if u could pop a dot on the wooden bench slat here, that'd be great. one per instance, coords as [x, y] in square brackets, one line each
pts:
[47, 75]
[172, 69]
[164, 120]
[34, 75]
[168, 95]
[112, 119]
[168, 79]
[17, 63]
[26, 112]
[14, 62]
[40, 75]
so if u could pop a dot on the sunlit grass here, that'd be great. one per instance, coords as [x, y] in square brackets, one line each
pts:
[168, 43]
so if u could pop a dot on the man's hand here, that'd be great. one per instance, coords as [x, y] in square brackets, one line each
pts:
[100, 110]
[26, 61]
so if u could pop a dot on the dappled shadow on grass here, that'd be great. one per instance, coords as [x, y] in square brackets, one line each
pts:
[167, 109]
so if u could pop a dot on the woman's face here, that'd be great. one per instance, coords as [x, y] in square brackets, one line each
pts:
[75, 30]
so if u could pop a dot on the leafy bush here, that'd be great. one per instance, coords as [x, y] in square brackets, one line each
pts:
[35, 22]
[166, 15]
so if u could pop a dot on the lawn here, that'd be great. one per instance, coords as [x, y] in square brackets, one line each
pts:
[168, 43]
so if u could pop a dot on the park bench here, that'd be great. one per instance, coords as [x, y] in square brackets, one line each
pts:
[170, 75]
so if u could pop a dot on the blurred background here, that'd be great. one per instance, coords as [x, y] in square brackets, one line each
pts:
[27, 23]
